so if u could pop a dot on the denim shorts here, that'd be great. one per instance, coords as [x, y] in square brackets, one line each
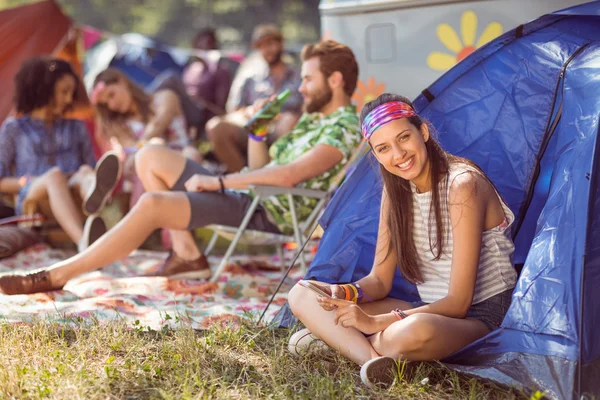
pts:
[490, 311]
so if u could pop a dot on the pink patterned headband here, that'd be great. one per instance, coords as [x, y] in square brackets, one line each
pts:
[96, 90]
[384, 113]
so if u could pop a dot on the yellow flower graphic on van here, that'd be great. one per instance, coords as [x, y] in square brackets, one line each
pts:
[461, 46]
[365, 92]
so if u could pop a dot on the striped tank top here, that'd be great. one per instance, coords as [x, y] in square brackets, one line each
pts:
[495, 272]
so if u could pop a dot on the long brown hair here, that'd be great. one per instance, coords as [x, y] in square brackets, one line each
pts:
[399, 194]
[141, 99]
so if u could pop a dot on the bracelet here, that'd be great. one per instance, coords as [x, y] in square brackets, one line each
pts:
[347, 291]
[257, 138]
[399, 314]
[361, 294]
[220, 178]
[355, 294]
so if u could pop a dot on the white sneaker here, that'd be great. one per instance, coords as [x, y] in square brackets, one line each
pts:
[94, 228]
[379, 372]
[304, 340]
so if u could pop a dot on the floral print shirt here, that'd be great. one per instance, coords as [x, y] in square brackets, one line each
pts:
[339, 129]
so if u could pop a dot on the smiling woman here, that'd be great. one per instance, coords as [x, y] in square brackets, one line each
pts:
[446, 228]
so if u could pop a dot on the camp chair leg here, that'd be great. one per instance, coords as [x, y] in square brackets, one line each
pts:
[280, 255]
[297, 234]
[285, 276]
[211, 243]
[236, 239]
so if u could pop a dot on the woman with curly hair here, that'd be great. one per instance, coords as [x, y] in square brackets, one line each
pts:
[48, 158]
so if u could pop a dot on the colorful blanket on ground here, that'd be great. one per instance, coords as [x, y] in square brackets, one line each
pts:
[119, 291]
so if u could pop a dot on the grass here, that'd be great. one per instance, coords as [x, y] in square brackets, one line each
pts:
[114, 361]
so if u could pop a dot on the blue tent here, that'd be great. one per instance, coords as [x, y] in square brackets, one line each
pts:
[525, 108]
[139, 57]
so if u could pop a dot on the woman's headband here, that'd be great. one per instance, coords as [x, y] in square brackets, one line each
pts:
[384, 113]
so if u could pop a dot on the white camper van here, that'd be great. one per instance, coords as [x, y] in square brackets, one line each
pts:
[403, 46]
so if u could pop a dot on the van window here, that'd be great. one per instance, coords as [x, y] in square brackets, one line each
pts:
[381, 43]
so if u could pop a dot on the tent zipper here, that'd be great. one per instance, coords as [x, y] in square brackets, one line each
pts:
[550, 128]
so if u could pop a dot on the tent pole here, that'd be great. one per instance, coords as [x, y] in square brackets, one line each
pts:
[287, 272]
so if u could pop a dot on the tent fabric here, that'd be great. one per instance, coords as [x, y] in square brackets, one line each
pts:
[27, 31]
[525, 108]
[139, 57]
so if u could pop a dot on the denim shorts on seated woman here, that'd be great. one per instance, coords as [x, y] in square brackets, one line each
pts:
[490, 311]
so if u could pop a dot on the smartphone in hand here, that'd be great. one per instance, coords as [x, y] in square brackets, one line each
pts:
[323, 291]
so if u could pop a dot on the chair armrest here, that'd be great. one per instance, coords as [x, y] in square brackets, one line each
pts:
[265, 191]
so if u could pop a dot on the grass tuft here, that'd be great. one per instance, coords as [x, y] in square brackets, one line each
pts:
[97, 360]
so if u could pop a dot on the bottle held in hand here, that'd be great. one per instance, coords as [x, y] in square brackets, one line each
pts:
[259, 123]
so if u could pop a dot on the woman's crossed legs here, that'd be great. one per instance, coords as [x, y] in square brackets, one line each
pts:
[419, 337]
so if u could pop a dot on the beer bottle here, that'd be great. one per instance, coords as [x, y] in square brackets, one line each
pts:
[258, 124]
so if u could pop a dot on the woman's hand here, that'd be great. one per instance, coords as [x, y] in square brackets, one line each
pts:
[350, 315]
[336, 292]
[202, 183]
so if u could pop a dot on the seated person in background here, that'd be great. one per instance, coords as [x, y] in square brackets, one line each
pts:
[184, 196]
[132, 117]
[446, 228]
[48, 159]
[202, 88]
[207, 83]
[127, 118]
[226, 133]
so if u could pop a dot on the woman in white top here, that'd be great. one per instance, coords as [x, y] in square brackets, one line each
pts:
[127, 117]
[465, 278]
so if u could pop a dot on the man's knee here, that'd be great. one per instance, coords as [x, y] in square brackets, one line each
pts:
[223, 132]
[211, 126]
[148, 156]
[152, 202]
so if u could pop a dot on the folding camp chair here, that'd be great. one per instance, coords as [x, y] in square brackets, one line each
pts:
[301, 230]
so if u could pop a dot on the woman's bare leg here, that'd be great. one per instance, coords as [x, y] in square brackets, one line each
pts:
[82, 180]
[224, 135]
[423, 337]
[53, 185]
[419, 337]
[154, 210]
[348, 341]
[159, 168]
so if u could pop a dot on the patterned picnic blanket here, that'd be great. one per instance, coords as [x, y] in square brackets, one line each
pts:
[119, 291]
